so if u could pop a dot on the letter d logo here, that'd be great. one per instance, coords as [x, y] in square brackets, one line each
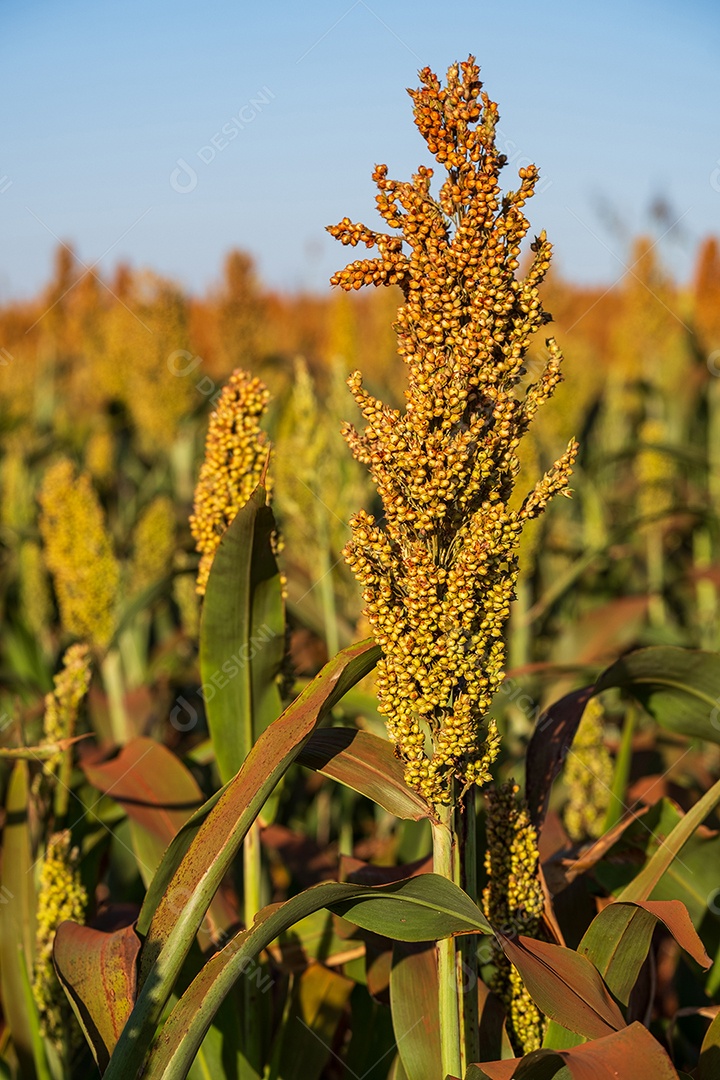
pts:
[183, 707]
[184, 178]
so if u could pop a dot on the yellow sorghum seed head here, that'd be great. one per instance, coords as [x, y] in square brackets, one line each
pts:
[235, 454]
[588, 776]
[655, 471]
[60, 896]
[513, 903]
[35, 598]
[100, 455]
[79, 554]
[153, 544]
[71, 686]
[439, 574]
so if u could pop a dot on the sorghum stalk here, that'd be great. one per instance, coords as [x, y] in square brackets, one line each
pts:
[236, 453]
[439, 571]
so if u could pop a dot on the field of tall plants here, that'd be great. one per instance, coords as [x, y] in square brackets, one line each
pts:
[334, 740]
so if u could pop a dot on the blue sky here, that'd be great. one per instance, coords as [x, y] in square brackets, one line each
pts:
[616, 102]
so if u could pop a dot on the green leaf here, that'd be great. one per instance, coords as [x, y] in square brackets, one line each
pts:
[709, 1063]
[18, 904]
[641, 886]
[211, 849]
[414, 1005]
[623, 1055]
[680, 688]
[368, 765]
[242, 636]
[565, 986]
[98, 972]
[618, 940]
[416, 909]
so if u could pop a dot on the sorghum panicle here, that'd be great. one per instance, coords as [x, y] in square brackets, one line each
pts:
[71, 686]
[513, 902]
[61, 896]
[153, 544]
[439, 572]
[79, 554]
[588, 777]
[236, 451]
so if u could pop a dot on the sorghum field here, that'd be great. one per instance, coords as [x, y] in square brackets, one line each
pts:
[335, 741]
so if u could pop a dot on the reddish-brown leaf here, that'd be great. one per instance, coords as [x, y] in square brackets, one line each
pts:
[414, 1003]
[367, 764]
[625, 1055]
[565, 986]
[99, 973]
[552, 738]
[150, 783]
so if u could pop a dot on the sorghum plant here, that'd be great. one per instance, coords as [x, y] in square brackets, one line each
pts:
[439, 570]
[235, 454]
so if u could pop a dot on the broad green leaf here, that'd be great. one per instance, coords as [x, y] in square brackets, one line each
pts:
[311, 1019]
[680, 688]
[709, 1063]
[98, 972]
[18, 904]
[242, 635]
[314, 938]
[414, 1004]
[368, 765]
[185, 899]
[642, 886]
[416, 909]
[565, 986]
[624, 1055]
[618, 939]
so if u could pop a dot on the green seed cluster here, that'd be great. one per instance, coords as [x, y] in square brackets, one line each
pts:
[236, 451]
[588, 777]
[61, 896]
[61, 706]
[79, 554]
[439, 571]
[513, 902]
[153, 544]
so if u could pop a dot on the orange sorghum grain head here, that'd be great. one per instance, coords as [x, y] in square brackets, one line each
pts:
[79, 554]
[439, 573]
[236, 451]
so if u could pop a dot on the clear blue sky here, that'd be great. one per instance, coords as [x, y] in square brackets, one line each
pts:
[617, 102]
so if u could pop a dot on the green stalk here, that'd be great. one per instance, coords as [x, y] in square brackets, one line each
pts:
[327, 587]
[449, 1005]
[654, 561]
[705, 590]
[112, 677]
[252, 867]
[622, 770]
